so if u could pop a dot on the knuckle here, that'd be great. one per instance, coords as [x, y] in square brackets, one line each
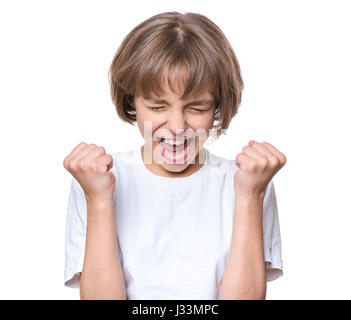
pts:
[108, 159]
[274, 162]
[83, 164]
[72, 165]
[102, 149]
[252, 166]
[83, 143]
[264, 162]
[283, 158]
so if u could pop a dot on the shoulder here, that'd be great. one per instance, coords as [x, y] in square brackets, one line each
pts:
[127, 157]
[125, 162]
[219, 165]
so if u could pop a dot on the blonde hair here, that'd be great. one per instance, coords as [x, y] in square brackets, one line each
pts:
[170, 40]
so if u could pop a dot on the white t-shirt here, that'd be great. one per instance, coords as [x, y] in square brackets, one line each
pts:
[174, 234]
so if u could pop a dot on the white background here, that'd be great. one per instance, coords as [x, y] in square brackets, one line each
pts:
[295, 60]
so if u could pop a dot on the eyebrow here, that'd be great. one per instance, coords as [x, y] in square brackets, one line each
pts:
[191, 103]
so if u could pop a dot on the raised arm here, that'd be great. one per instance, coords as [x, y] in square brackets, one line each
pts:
[244, 276]
[102, 275]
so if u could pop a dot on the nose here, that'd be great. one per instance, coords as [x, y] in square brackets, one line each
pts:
[177, 122]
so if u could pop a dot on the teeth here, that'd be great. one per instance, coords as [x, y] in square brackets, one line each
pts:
[172, 142]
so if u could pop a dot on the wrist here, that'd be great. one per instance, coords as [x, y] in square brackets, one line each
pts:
[100, 211]
[101, 197]
[98, 201]
[249, 197]
[248, 206]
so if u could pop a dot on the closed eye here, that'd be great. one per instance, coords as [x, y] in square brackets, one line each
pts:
[198, 110]
[156, 108]
[159, 108]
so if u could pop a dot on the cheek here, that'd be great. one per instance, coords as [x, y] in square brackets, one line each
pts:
[140, 126]
[205, 122]
[148, 127]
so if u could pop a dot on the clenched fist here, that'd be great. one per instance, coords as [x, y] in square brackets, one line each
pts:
[90, 165]
[258, 163]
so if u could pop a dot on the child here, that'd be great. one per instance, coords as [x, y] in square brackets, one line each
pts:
[171, 220]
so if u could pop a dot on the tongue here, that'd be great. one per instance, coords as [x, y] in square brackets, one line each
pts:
[180, 147]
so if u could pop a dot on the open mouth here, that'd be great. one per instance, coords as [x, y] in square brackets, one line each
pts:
[175, 152]
[178, 146]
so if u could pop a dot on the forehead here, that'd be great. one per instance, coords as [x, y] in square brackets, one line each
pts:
[199, 101]
[172, 84]
[172, 97]
[168, 95]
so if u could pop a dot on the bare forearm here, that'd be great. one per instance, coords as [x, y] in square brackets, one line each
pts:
[102, 275]
[244, 276]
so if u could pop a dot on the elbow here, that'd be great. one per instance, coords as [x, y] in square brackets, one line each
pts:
[93, 291]
[258, 293]
[105, 296]
[243, 296]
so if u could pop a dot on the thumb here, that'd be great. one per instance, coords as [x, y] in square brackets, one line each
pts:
[111, 176]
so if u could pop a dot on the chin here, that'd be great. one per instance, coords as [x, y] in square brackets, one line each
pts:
[174, 167]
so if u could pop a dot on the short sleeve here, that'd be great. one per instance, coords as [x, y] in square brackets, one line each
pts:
[75, 235]
[271, 235]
